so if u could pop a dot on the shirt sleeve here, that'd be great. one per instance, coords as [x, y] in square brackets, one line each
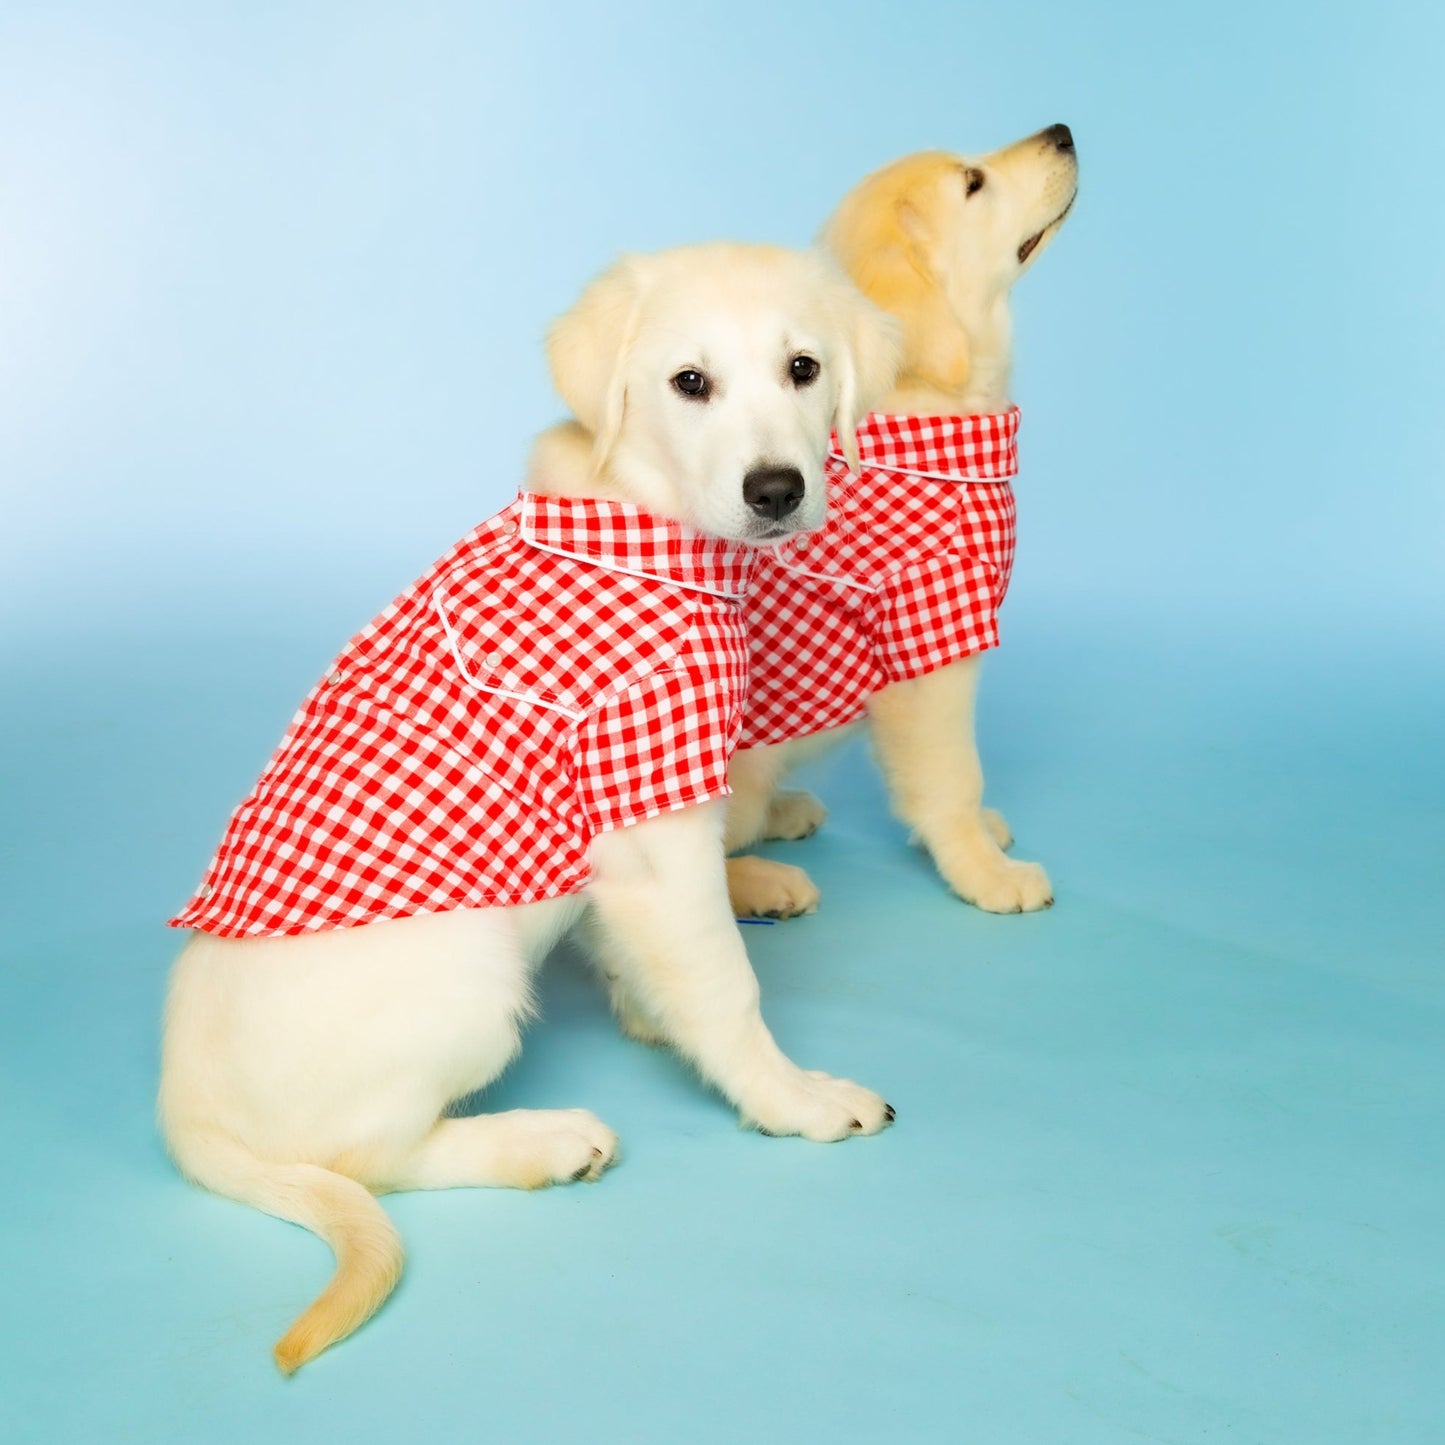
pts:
[662, 744]
[933, 613]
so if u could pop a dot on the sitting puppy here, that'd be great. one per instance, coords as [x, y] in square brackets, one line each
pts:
[886, 611]
[542, 721]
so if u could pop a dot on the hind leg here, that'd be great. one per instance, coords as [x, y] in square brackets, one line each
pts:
[521, 1149]
[346, 1048]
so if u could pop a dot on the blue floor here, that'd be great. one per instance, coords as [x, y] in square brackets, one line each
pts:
[1168, 1163]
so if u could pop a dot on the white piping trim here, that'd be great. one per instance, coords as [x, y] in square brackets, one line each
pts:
[930, 476]
[455, 644]
[825, 577]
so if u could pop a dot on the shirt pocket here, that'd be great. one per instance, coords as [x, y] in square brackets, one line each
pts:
[556, 632]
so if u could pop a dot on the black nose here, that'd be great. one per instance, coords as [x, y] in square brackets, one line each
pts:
[773, 491]
[1061, 136]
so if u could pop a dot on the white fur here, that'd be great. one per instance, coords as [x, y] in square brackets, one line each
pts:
[615, 355]
[303, 1074]
[962, 247]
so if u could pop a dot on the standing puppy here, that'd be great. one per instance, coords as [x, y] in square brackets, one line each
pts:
[886, 611]
[542, 722]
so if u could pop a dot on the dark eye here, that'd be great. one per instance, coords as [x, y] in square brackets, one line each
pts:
[803, 370]
[972, 181]
[692, 383]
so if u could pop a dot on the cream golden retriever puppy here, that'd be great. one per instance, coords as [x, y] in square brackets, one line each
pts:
[539, 728]
[888, 610]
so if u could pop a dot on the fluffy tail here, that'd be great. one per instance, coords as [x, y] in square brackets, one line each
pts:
[367, 1247]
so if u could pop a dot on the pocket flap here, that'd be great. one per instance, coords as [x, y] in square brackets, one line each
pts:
[556, 631]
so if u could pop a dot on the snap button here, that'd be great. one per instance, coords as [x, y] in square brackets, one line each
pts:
[204, 891]
[509, 529]
[492, 660]
[334, 680]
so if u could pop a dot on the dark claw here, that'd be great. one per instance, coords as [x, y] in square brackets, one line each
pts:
[586, 1170]
[888, 1113]
[857, 1126]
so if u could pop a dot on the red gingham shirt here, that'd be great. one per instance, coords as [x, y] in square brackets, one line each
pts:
[907, 575]
[568, 667]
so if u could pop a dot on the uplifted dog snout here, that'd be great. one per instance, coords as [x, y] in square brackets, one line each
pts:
[773, 492]
[1062, 136]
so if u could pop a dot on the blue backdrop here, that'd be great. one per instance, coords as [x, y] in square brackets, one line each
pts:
[273, 280]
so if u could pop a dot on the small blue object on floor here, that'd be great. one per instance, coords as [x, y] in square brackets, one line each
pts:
[1168, 1162]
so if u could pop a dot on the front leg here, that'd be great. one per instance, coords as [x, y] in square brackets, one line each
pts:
[924, 737]
[753, 776]
[763, 887]
[664, 927]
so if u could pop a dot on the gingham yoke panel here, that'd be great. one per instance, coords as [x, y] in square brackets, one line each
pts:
[568, 667]
[906, 576]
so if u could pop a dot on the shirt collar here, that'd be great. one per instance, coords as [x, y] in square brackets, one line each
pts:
[623, 538]
[950, 448]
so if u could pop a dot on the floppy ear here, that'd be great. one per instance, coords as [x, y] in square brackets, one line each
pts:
[869, 357]
[587, 350]
[883, 238]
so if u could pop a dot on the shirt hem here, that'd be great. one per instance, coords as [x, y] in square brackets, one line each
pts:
[564, 889]
[842, 717]
[676, 806]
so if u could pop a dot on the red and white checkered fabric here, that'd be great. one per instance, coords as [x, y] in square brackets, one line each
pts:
[907, 575]
[569, 667]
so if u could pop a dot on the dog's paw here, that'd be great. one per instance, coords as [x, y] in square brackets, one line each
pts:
[558, 1146]
[997, 829]
[794, 815]
[1005, 885]
[761, 888]
[817, 1106]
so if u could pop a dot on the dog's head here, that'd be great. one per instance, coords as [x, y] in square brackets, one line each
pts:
[710, 377]
[937, 227]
